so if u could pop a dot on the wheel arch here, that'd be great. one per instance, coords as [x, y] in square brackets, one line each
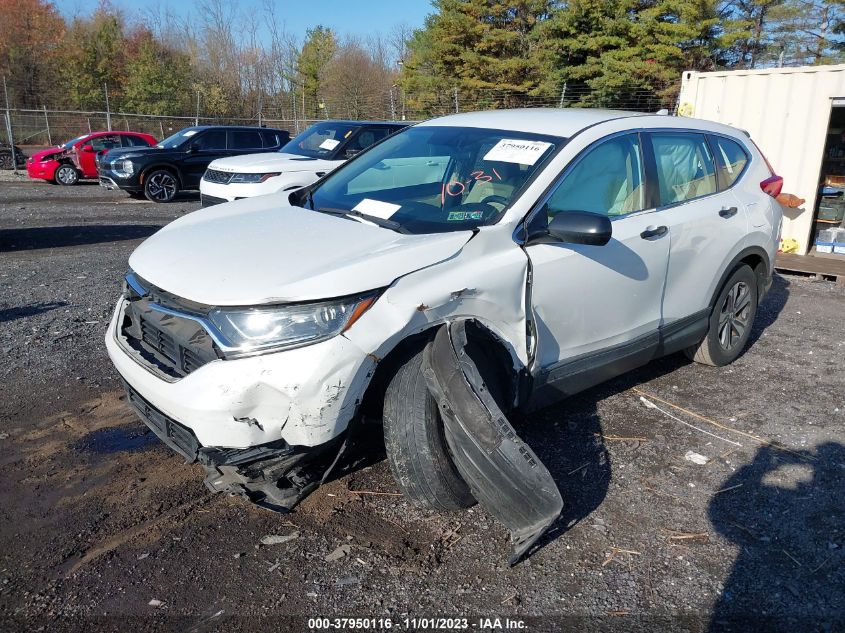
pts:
[165, 166]
[757, 259]
[510, 366]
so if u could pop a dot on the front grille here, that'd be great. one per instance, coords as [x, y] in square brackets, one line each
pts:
[219, 177]
[210, 201]
[180, 438]
[169, 344]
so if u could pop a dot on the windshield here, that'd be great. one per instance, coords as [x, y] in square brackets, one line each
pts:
[72, 142]
[174, 141]
[429, 179]
[320, 140]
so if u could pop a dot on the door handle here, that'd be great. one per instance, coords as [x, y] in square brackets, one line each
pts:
[654, 231]
[728, 213]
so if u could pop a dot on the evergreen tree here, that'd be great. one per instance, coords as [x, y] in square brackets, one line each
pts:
[317, 51]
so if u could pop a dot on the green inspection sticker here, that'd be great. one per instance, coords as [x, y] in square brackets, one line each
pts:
[459, 216]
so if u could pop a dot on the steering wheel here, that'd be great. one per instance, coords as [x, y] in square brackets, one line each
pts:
[493, 198]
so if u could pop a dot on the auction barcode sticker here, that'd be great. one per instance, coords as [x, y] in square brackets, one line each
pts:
[510, 150]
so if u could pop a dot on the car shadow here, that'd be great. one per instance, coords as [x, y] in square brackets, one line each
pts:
[568, 439]
[771, 307]
[62, 236]
[10, 314]
[787, 522]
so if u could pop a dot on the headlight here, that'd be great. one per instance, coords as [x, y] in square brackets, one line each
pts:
[253, 177]
[250, 330]
[123, 168]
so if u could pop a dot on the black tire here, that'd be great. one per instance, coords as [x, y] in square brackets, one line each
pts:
[415, 445]
[66, 174]
[5, 160]
[161, 185]
[731, 321]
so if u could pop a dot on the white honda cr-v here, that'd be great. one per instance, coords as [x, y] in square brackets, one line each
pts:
[463, 267]
[315, 152]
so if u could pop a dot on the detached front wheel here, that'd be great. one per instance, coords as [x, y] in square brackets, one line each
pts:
[416, 446]
[161, 186]
[66, 175]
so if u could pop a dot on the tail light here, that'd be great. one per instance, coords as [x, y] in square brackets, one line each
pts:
[772, 185]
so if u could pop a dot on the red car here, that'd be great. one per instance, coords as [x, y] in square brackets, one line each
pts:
[73, 160]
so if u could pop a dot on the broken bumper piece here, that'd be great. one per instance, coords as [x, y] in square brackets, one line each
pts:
[275, 476]
[503, 473]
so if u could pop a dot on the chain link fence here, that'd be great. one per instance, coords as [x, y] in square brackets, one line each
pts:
[51, 124]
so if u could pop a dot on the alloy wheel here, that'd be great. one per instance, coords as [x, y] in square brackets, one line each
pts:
[5, 161]
[66, 175]
[734, 316]
[162, 186]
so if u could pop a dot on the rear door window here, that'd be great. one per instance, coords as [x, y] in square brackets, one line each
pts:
[731, 160]
[685, 168]
[244, 139]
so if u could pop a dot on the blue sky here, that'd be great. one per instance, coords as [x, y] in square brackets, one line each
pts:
[355, 17]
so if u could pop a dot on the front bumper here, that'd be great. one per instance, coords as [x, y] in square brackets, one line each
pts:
[111, 180]
[44, 171]
[305, 396]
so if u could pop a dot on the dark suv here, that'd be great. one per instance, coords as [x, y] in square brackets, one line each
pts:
[179, 161]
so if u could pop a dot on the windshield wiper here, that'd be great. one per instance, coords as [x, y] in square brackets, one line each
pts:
[382, 222]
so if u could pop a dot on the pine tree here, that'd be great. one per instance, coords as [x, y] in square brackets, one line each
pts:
[317, 51]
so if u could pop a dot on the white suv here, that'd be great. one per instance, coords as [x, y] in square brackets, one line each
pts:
[464, 267]
[305, 158]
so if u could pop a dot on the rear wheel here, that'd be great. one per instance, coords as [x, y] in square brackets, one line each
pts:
[415, 444]
[731, 321]
[161, 186]
[6, 160]
[66, 175]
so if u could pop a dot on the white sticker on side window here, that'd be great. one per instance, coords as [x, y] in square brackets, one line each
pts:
[510, 150]
[377, 208]
[329, 143]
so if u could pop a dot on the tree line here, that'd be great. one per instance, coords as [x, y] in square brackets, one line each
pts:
[220, 62]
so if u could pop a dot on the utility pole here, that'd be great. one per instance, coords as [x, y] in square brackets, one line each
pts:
[392, 104]
[197, 117]
[456, 101]
[108, 110]
[47, 123]
[562, 95]
[9, 128]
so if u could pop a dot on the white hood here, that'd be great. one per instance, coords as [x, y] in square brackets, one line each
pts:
[261, 250]
[269, 162]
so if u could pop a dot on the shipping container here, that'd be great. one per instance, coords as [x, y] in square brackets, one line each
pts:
[797, 118]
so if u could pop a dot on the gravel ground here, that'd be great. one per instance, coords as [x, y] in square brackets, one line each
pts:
[99, 522]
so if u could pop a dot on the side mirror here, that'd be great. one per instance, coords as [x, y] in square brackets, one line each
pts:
[193, 147]
[87, 148]
[580, 227]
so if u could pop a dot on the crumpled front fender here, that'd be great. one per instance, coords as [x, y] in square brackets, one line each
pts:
[504, 474]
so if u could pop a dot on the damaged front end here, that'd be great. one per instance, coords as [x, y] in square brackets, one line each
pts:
[275, 476]
[503, 473]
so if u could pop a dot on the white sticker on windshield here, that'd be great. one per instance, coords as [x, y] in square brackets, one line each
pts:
[190, 132]
[379, 209]
[510, 150]
[329, 143]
